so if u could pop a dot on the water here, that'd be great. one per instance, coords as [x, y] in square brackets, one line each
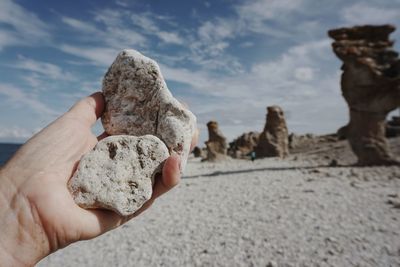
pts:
[6, 151]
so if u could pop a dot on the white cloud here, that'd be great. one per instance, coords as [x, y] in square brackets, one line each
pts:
[15, 133]
[304, 74]
[170, 37]
[256, 16]
[8, 38]
[148, 23]
[363, 13]
[25, 27]
[122, 3]
[48, 70]
[261, 10]
[79, 25]
[113, 32]
[100, 56]
[19, 97]
[219, 29]
[196, 79]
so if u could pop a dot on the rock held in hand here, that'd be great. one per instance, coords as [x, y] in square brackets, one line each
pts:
[118, 174]
[138, 102]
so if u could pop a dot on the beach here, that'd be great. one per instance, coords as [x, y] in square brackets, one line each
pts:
[271, 212]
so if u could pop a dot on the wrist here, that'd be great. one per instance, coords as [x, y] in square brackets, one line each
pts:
[22, 239]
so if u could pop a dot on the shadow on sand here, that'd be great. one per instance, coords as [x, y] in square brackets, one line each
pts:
[218, 173]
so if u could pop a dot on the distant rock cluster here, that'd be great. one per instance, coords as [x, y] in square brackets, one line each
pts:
[242, 146]
[273, 141]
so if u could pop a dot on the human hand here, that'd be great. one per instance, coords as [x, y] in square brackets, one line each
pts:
[37, 212]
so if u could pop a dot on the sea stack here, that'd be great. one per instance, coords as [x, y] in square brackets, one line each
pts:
[273, 141]
[216, 144]
[370, 85]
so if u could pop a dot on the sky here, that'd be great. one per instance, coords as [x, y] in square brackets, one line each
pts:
[227, 59]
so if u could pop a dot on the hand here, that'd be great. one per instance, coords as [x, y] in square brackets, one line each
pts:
[37, 213]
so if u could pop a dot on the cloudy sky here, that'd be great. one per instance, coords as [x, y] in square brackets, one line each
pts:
[228, 59]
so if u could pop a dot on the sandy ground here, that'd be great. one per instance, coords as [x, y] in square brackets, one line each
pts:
[293, 212]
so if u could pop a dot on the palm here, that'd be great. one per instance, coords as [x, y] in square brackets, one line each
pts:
[48, 218]
[61, 146]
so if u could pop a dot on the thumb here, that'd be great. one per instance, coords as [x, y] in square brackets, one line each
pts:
[88, 109]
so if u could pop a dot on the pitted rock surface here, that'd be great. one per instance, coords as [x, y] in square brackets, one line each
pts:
[138, 102]
[118, 174]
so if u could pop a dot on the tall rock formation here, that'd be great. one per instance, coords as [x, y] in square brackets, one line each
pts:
[216, 144]
[273, 141]
[371, 87]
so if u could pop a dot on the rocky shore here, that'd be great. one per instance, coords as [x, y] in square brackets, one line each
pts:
[294, 212]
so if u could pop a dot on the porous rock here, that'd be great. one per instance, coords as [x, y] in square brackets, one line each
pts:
[138, 102]
[118, 174]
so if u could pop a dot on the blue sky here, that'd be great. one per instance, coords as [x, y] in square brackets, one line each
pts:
[226, 59]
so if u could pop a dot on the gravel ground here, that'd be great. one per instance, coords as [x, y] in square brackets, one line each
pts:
[269, 212]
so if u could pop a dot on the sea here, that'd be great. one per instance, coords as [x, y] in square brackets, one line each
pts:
[6, 151]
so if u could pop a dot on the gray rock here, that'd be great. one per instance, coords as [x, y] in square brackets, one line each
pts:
[138, 102]
[272, 264]
[118, 174]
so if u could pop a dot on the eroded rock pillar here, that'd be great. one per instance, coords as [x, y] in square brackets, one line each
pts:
[216, 144]
[370, 85]
[273, 141]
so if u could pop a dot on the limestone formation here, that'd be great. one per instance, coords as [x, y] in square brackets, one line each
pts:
[138, 102]
[243, 145]
[216, 144]
[371, 87]
[297, 141]
[273, 141]
[118, 174]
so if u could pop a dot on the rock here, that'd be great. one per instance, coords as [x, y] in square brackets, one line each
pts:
[118, 174]
[243, 145]
[342, 133]
[371, 87]
[216, 144]
[197, 152]
[333, 163]
[272, 264]
[299, 141]
[273, 141]
[138, 102]
[393, 127]
[395, 203]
